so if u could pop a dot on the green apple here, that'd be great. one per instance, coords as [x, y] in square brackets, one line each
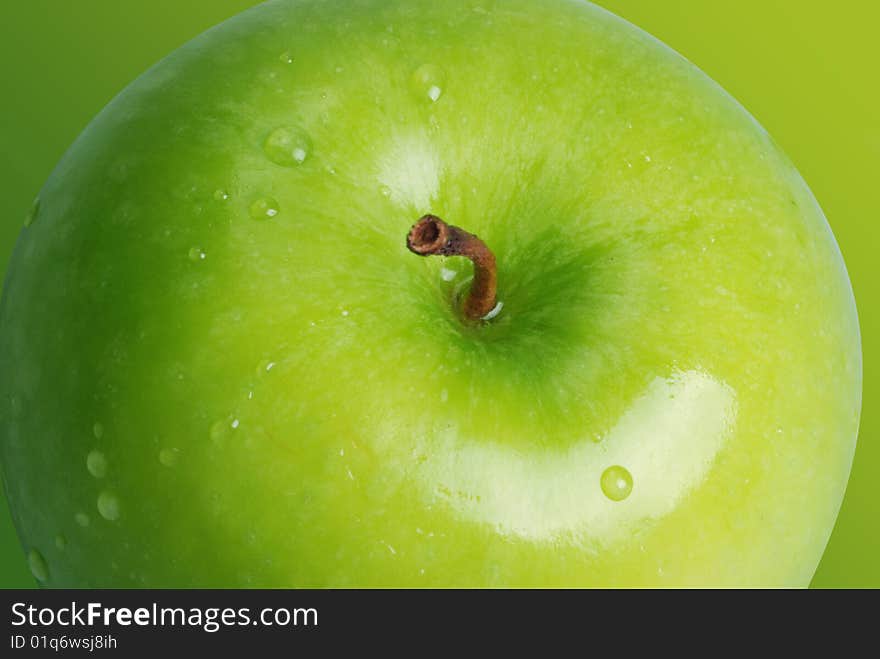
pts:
[221, 366]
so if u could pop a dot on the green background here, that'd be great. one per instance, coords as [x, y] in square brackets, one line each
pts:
[805, 69]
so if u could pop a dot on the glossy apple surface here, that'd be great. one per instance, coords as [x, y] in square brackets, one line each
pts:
[219, 364]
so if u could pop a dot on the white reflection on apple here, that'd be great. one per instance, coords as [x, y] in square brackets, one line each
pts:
[410, 170]
[667, 440]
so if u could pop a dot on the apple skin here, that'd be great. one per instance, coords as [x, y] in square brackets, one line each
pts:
[220, 366]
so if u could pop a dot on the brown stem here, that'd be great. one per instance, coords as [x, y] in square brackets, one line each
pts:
[431, 235]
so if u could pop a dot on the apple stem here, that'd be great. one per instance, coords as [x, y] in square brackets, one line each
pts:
[432, 236]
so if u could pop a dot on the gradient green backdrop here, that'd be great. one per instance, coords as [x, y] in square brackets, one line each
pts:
[806, 69]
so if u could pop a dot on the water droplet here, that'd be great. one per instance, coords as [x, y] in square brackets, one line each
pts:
[38, 566]
[264, 208]
[345, 312]
[235, 423]
[444, 396]
[108, 505]
[287, 146]
[96, 463]
[196, 254]
[98, 430]
[286, 58]
[168, 456]
[494, 312]
[219, 430]
[427, 82]
[385, 190]
[221, 195]
[617, 483]
[32, 213]
[448, 275]
[61, 542]
[82, 519]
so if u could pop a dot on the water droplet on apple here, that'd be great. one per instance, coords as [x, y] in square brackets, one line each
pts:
[82, 519]
[494, 312]
[61, 542]
[444, 396]
[96, 463]
[108, 505]
[32, 213]
[38, 566]
[427, 82]
[617, 483]
[287, 146]
[98, 430]
[447, 275]
[264, 208]
[168, 457]
[219, 430]
[385, 190]
[196, 254]
[286, 58]
[221, 195]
